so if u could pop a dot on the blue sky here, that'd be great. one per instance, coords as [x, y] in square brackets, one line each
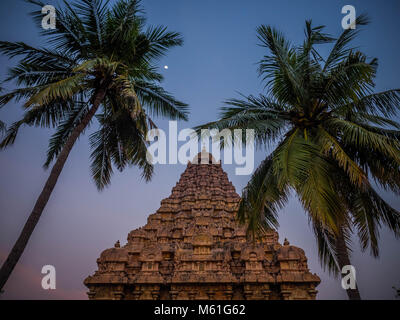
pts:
[218, 60]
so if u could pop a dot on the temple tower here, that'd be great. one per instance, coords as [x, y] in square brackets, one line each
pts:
[193, 248]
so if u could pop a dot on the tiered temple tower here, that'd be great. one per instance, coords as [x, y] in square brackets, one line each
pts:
[193, 248]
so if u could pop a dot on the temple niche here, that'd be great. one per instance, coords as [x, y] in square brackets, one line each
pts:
[193, 248]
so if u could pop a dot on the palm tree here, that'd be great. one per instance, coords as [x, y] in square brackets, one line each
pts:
[332, 136]
[99, 64]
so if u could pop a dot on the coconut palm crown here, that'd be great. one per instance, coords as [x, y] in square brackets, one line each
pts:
[332, 138]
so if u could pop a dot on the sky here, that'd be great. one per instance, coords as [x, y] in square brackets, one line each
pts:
[218, 60]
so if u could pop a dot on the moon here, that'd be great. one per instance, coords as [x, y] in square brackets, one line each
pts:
[165, 67]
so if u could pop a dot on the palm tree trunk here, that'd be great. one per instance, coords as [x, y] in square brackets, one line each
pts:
[344, 260]
[44, 196]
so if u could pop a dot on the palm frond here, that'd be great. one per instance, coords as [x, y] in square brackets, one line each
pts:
[261, 199]
[159, 102]
[93, 15]
[121, 142]
[369, 212]
[63, 89]
[279, 68]
[385, 103]
[39, 116]
[326, 243]
[64, 129]
[160, 40]
[11, 134]
[32, 55]
[351, 79]
[69, 36]
[266, 117]
[101, 165]
[356, 135]
[332, 148]
[19, 94]
[341, 49]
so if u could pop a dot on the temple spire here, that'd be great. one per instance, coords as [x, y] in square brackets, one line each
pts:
[193, 247]
[204, 157]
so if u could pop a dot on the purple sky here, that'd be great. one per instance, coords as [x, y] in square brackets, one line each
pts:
[218, 58]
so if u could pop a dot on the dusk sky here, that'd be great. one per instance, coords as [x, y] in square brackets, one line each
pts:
[217, 60]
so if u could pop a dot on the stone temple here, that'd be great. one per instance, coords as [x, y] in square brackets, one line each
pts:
[193, 248]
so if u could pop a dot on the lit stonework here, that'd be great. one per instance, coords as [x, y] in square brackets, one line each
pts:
[193, 248]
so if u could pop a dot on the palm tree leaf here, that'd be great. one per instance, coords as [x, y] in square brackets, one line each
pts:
[369, 212]
[19, 94]
[40, 116]
[159, 102]
[261, 199]
[340, 49]
[385, 103]
[349, 80]
[160, 40]
[331, 147]
[69, 36]
[63, 89]
[357, 136]
[101, 166]
[64, 129]
[326, 244]
[267, 118]
[279, 67]
[93, 16]
[34, 55]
